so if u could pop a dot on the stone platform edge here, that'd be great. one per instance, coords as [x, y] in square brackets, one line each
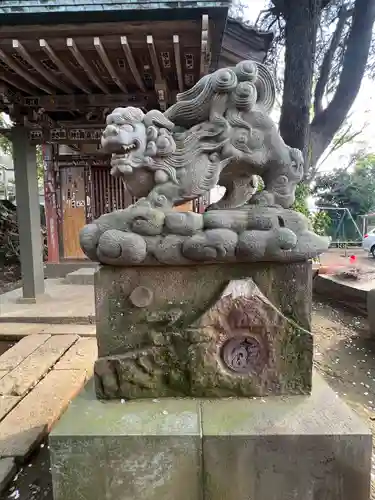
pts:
[161, 448]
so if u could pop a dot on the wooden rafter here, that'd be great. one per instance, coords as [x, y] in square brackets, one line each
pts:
[205, 47]
[47, 75]
[70, 43]
[160, 85]
[62, 67]
[21, 86]
[107, 63]
[154, 58]
[24, 74]
[177, 58]
[130, 60]
[161, 92]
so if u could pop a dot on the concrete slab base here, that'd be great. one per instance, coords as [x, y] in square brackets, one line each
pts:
[275, 448]
[61, 304]
[83, 276]
[61, 269]
[40, 299]
[351, 294]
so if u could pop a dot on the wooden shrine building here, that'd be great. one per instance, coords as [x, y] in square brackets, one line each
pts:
[64, 65]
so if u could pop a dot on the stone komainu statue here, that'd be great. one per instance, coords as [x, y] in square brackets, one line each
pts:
[217, 133]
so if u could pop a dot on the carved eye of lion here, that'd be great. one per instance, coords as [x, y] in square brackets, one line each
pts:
[128, 127]
[115, 119]
[152, 133]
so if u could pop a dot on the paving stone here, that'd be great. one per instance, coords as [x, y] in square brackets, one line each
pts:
[26, 375]
[81, 330]
[83, 276]
[29, 422]
[19, 330]
[7, 403]
[81, 356]
[60, 304]
[7, 471]
[16, 354]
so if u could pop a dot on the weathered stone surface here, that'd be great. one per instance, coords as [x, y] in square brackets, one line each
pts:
[218, 132]
[27, 424]
[7, 403]
[301, 447]
[81, 356]
[81, 330]
[17, 331]
[24, 376]
[370, 303]
[19, 352]
[138, 450]
[14, 330]
[254, 233]
[7, 471]
[202, 337]
[352, 295]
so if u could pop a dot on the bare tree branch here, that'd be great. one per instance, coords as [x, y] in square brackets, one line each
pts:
[261, 13]
[328, 58]
[326, 123]
[345, 137]
[325, 3]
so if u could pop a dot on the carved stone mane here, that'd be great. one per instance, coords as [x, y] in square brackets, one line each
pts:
[218, 132]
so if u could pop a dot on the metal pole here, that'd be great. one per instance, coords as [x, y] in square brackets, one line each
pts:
[354, 222]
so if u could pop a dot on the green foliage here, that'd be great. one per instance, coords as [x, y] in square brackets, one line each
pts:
[260, 184]
[300, 204]
[5, 143]
[40, 163]
[354, 189]
[319, 221]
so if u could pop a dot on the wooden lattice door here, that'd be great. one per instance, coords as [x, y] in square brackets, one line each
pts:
[73, 204]
[108, 192]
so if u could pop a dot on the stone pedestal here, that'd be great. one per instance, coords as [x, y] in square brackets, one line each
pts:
[276, 448]
[205, 331]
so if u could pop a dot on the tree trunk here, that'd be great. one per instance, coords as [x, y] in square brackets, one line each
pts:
[326, 123]
[302, 19]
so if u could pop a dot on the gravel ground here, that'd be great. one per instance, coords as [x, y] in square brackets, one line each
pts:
[345, 356]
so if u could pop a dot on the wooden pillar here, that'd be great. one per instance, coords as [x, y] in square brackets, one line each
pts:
[50, 204]
[28, 214]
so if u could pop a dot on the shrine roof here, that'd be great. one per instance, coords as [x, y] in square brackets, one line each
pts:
[26, 7]
[68, 62]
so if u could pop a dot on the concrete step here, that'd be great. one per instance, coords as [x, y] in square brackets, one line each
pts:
[15, 331]
[83, 276]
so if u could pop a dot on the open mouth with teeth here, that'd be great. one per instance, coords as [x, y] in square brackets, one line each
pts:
[129, 148]
[123, 159]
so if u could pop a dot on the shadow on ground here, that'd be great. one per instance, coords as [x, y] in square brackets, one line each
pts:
[34, 481]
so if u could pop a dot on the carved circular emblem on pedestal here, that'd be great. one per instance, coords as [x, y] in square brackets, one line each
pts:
[141, 296]
[243, 355]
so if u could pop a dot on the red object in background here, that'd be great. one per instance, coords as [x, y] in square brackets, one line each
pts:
[352, 259]
[50, 205]
[366, 236]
